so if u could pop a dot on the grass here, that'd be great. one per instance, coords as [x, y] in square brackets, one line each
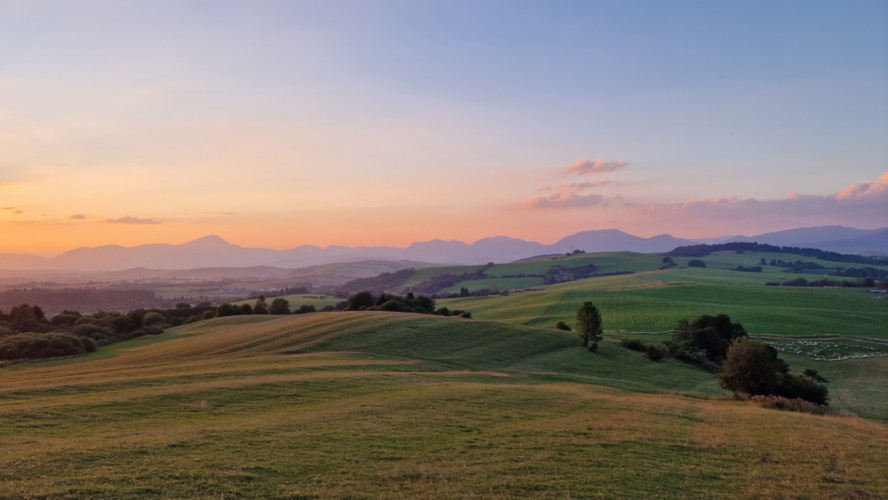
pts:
[297, 300]
[378, 405]
[645, 302]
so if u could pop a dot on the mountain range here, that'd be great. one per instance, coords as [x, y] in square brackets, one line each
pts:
[213, 251]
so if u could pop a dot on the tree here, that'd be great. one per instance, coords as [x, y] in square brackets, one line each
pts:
[360, 300]
[751, 368]
[261, 307]
[589, 325]
[279, 305]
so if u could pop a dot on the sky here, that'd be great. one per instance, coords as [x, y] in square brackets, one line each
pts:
[362, 123]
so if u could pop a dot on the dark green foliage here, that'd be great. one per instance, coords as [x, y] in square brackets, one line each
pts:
[279, 305]
[589, 325]
[227, 310]
[359, 301]
[740, 247]
[394, 303]
[696, 263]
[754, 369]
[710, 334]
[751, 368]
[44, 345]
[561, 325]
[306, 308]
[814, 375]
[655, 352]
[261, 306]
[633, 344]
[750, 269]
[799, 385]
[465, 315]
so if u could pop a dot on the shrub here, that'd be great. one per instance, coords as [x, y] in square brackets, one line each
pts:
[561, 325]
[801, 386]
[787, 404]
[655, 352]
[44, 345]
[465, 315]
[279, 305]
[751, 368]
[633, 344]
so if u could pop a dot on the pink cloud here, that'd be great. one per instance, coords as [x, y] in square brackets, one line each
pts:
[866, 190]
[563, 200]
[587, 167]
[576, 187]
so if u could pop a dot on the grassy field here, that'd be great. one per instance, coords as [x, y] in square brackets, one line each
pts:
[386, 405]
[317, 300]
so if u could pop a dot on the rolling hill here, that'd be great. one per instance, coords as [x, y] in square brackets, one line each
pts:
[389, 405]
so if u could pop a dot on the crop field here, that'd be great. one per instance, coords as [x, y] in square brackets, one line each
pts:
[387, 405]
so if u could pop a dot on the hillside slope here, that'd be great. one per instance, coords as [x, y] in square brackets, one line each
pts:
[397, 405]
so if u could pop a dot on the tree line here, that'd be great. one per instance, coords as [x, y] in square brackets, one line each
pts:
[703, 250]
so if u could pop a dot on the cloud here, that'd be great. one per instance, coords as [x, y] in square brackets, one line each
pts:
[576, 187]
[220, 213]
[562, 200]
[8, 208]
[77, 217]
[131, 220]
[866, 190]
[587, 167]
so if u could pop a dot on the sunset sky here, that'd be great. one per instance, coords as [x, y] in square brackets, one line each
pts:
[281, 123]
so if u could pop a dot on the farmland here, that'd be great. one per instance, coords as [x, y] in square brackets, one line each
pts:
[391, 405]
[396, 405]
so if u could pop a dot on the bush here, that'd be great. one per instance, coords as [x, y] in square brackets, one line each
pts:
[633, 344]
[751, 368]
[696, 263]
[465, 315]
[279, 305]
[561, 325]
[655, 352]
[44, 345]
[787, 404]
[801, 386]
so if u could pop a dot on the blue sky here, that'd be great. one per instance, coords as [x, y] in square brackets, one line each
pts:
[282, 123]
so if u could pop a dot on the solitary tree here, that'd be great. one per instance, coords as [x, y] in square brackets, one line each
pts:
[751, 368]
[279, 305]
[589, 325]
[261, 306]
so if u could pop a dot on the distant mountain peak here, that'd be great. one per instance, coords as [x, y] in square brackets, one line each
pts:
[211, 240]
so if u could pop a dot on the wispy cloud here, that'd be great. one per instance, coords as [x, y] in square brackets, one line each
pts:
[589, 167]
[77, 217]
[131, 220]
[562, 200]
[220, 213]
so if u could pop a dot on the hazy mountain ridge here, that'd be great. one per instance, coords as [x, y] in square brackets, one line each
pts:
[213, 251]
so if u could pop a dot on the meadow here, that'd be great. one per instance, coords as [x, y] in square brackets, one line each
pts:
[388, 405]
[394, 405]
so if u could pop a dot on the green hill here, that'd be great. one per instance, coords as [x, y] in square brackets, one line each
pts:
[387, 405]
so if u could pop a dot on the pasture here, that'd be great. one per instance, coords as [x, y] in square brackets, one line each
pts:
[387, 405]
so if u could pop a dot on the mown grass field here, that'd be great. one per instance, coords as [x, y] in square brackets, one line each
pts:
[387, 405]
